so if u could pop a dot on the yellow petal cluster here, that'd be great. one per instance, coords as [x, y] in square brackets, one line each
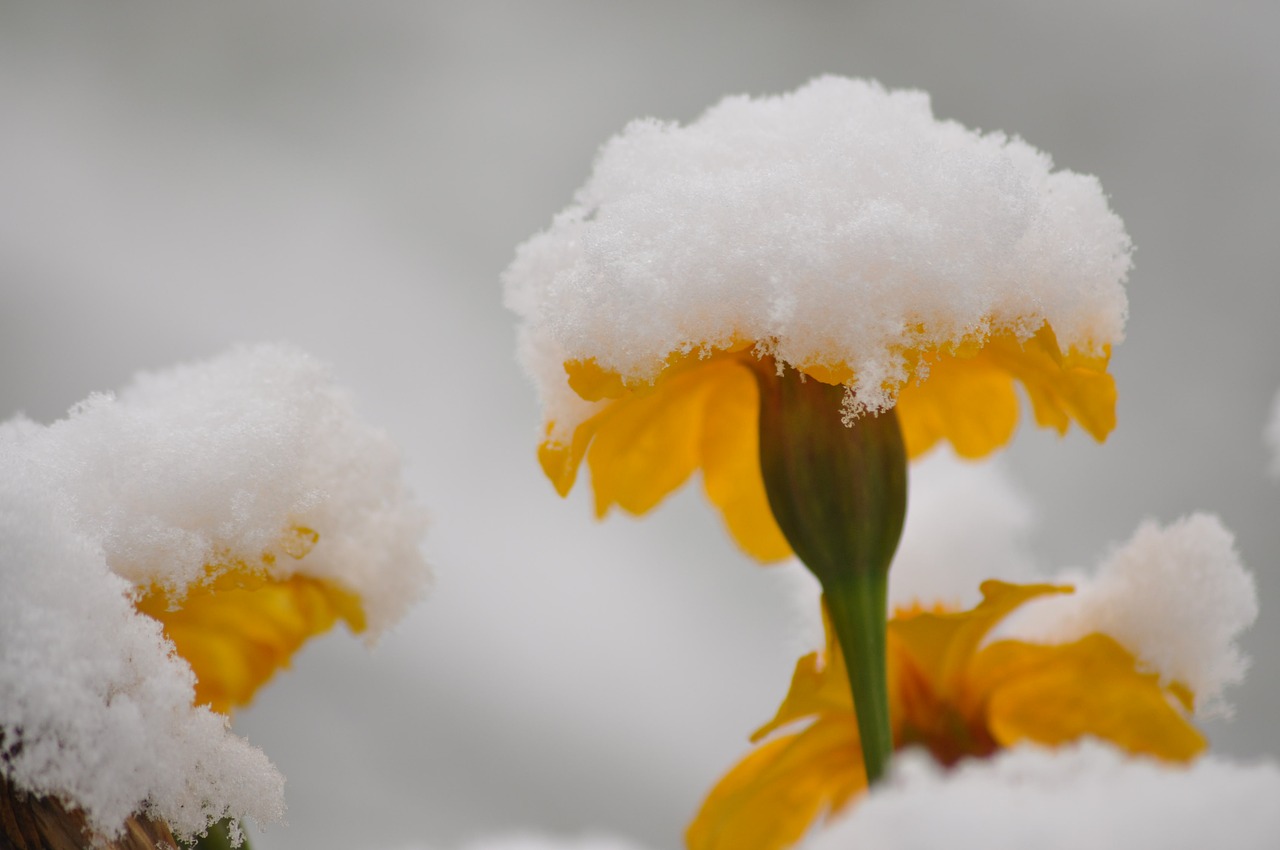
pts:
[951, 694]
[645, 440]
[242, 624]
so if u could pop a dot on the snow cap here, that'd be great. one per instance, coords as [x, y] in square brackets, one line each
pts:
[194, 466]
[1177, 597]
[841, 223]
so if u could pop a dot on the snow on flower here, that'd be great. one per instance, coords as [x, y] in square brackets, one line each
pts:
[229, 509]
[1128, 658]
[839, 230]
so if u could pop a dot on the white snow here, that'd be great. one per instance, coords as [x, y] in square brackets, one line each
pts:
[838, 224]
[187, 467]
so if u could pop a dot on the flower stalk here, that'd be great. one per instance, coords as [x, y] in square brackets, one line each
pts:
[838, 493]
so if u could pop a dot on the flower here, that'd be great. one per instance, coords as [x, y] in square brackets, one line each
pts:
[98, 728]
[840, 231]
[240, 626]
[229, 510]
[247, 505]
[952, 695]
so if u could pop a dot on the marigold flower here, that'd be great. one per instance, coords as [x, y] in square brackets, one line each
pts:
[268, 512]
[847, 234]
[229, 509]
[1124, 657]
[952, 695]
[241, 625]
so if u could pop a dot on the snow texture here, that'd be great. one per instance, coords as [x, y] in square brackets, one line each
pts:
[223, 457]
[1178, 597]
[838, 224]
[1088, 795]
[94, 708]
[201, 460]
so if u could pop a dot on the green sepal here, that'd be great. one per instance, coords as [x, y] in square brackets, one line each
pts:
[839, 494]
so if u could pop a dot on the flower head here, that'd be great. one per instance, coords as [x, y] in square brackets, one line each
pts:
[230, 510]
[842, 231]
[1031, 663]
[241, 624]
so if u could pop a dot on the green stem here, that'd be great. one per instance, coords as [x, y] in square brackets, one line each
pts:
[858, 608]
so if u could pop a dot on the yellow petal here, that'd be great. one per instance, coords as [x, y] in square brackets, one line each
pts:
[970, 402]
[941, 646]
[236, 637]
[646, 441]
[1062, 387]
[1055, 694]
[731, 462]
[593, 382]
[819, 685]
[650, 442]
[560, 462]
[241, 625]
[770, 798]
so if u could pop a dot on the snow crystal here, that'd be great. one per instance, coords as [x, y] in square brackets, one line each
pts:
[94, 708]
[1087, 795]
[225, 456]
[840, 223]
[1177, 597]
[183, 468]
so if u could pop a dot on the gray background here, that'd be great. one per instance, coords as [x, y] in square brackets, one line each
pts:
[353, 177]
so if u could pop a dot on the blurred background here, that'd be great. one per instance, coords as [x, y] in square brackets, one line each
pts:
[354, 176]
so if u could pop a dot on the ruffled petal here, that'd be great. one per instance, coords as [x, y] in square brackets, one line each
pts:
[1062, 387]
[967, 394]
[941, 646]
[560, 461]
[1055, 694]
[645, 440]
[770, 798]
[237, 631]
[969, 402]
[650, 442]
[731, 462]
[819, 685]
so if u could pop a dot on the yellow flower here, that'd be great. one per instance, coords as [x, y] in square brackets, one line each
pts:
[952, 695]
[242, 624]
[645, 439]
